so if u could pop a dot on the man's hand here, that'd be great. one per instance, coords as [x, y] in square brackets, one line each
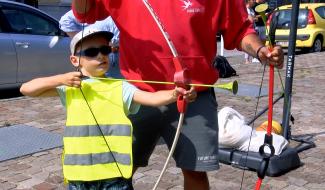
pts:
[271, 56]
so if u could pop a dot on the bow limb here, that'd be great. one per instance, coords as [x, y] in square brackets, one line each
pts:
[181, 79]
[268, 136]
[172, 149]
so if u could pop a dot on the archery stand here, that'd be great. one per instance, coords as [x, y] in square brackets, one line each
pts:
[289, 158]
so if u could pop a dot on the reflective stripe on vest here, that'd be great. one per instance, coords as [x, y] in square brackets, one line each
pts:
[91, 130]
[100, 158]
[86, 155]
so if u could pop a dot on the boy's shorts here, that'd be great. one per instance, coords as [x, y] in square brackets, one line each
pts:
[107, 184]
[197, 147]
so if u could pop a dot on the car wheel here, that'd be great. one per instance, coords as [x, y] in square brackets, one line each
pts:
[317, 46]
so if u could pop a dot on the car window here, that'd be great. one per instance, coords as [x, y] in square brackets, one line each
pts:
[284, 18]
[321, 11]
[23, 22]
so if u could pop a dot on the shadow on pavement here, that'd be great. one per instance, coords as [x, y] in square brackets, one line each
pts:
[10, 93]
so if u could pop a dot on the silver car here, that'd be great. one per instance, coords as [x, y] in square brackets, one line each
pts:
[31, 45]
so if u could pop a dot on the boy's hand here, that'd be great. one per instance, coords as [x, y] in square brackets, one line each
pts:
[190, 95]
[72, 79]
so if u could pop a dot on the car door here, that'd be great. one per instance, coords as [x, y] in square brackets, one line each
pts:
[8, 59]
[42, 48]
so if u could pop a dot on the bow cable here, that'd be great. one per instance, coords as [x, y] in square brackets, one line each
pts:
[88, 105]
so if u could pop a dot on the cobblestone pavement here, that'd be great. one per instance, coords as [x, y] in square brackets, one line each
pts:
[43, 170]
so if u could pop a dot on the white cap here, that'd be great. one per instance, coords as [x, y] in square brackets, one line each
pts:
[86, 33]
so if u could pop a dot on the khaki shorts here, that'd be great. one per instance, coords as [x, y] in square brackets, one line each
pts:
[197, 147]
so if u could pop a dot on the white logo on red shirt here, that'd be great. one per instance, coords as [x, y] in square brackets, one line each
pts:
[189, 8]
[187, 4]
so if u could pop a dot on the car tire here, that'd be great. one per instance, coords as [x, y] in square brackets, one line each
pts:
[317, 45]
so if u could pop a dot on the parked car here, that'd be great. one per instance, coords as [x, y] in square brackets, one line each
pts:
[31, 45]
[310, 27]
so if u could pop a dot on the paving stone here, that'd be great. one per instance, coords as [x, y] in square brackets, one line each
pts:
[33, 170]
[19, 167]
[164, 185]
[293, 187]
[154, 173]
[315, 186]
[44, 186]
[7, 186]
[177, 187]
[3, 168]
[174, 170]
[54, 179]
[297, 181]
[8, 163]
[54, 167]
[8, 173]
[18, 178]
[137, 176]
[42, 176]
[29, 183]
[277, 184]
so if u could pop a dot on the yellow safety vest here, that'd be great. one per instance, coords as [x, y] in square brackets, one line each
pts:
[86, 156]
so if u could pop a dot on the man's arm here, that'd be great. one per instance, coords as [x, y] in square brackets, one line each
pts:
[82, 6]
[252, 45]
[90, 11]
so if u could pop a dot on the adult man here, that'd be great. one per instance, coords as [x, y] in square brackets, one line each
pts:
[192, 25]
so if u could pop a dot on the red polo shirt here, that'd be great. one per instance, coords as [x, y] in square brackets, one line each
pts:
[192, 26]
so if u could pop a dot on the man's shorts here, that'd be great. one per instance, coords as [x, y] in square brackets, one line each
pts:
[197, 147]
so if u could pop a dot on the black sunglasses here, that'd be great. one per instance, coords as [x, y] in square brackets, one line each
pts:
[93, 51]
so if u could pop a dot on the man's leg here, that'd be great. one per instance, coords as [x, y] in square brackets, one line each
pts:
[197, 148]
[195, 180]
[146, 133]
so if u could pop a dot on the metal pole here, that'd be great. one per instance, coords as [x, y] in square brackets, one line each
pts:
[290, 69]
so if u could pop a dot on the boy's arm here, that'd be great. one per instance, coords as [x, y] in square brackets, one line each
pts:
[162, 97]
[46, 86]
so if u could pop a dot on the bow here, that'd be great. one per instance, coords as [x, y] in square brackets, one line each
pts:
[268, 136]
[261, 171]
[181, 79]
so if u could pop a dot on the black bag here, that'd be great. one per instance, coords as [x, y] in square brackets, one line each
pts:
[223, 66]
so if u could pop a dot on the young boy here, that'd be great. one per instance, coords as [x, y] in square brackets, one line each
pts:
[98, 135]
